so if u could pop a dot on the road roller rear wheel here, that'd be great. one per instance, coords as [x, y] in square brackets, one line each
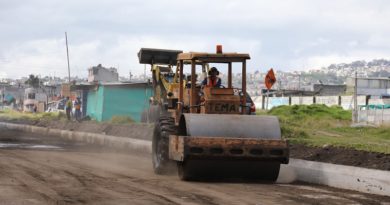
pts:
[160, 150]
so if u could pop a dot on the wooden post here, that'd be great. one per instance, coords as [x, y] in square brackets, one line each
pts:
[266, 105]
[193, 85]
[262, 101]
[181, 94]
[230, 75]
[339, 101]
[244, 86]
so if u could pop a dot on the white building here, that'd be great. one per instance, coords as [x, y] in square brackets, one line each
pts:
[101, 74]
[33, 98]
[371, 86]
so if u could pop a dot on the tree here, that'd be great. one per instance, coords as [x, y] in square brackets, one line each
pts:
[32, 81]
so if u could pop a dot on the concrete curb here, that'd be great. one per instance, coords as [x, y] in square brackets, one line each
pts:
[339, 176]
[125, 143]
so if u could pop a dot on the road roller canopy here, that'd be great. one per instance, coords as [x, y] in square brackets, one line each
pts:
[214, 57]
[196, 58]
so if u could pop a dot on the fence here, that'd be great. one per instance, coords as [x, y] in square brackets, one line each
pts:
[371, 111]
[376, 116]
[344, 101]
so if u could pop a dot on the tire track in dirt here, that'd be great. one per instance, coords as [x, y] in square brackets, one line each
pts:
[166, 194]
[91, 177]
[86, 180]
[26, 180]
[113, 185]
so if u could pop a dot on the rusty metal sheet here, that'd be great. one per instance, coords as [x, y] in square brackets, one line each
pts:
[221, 91]
[233, 142]
[176, 148]
[213, 57]
[183, 147]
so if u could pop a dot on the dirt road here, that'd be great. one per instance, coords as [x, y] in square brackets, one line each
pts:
[48, 170]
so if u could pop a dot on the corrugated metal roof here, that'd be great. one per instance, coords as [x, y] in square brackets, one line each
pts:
[113, 84]
[373, 78]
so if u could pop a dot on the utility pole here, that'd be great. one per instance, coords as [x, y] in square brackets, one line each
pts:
[355, 110]
[2, 97]
[299, 82]
[280, 84]
[67, 55]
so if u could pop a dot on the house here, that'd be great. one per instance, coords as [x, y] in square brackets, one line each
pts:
[329, 90]
[379, 86]
[104, 100]
[34, 98]
[101, 74]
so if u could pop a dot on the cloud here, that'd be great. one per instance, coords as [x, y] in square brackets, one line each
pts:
[3, 75]
[280, 34]
[43, 57]
[123, 53]
[378, 40]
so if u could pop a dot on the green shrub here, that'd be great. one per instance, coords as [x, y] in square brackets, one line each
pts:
[319, 125]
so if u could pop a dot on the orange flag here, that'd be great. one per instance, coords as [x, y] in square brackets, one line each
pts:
[270, 79]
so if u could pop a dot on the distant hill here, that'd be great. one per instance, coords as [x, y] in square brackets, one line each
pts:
[334, 74]
[374, 68]
[337, 73]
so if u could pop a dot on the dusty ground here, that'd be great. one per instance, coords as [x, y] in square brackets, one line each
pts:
[143, 131]
[68, 173]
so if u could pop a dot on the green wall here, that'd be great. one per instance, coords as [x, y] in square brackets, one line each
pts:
[108, 101]
[95, 103]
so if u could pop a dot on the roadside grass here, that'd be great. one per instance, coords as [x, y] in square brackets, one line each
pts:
[9, 114]
[15, 115]
[319, 125]
[116, 119]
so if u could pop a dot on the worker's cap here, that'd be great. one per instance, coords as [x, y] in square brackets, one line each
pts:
[213, 70]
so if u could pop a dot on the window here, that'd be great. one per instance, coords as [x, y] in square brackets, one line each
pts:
[31, 96]
[374, 84]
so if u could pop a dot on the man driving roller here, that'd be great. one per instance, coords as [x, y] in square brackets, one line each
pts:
[212, 80]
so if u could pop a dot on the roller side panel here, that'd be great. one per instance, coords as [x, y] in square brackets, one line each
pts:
[220, 148]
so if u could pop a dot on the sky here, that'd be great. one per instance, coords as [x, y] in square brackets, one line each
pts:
[282, 34]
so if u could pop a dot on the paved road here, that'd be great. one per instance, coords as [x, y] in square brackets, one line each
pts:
[48, 170]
